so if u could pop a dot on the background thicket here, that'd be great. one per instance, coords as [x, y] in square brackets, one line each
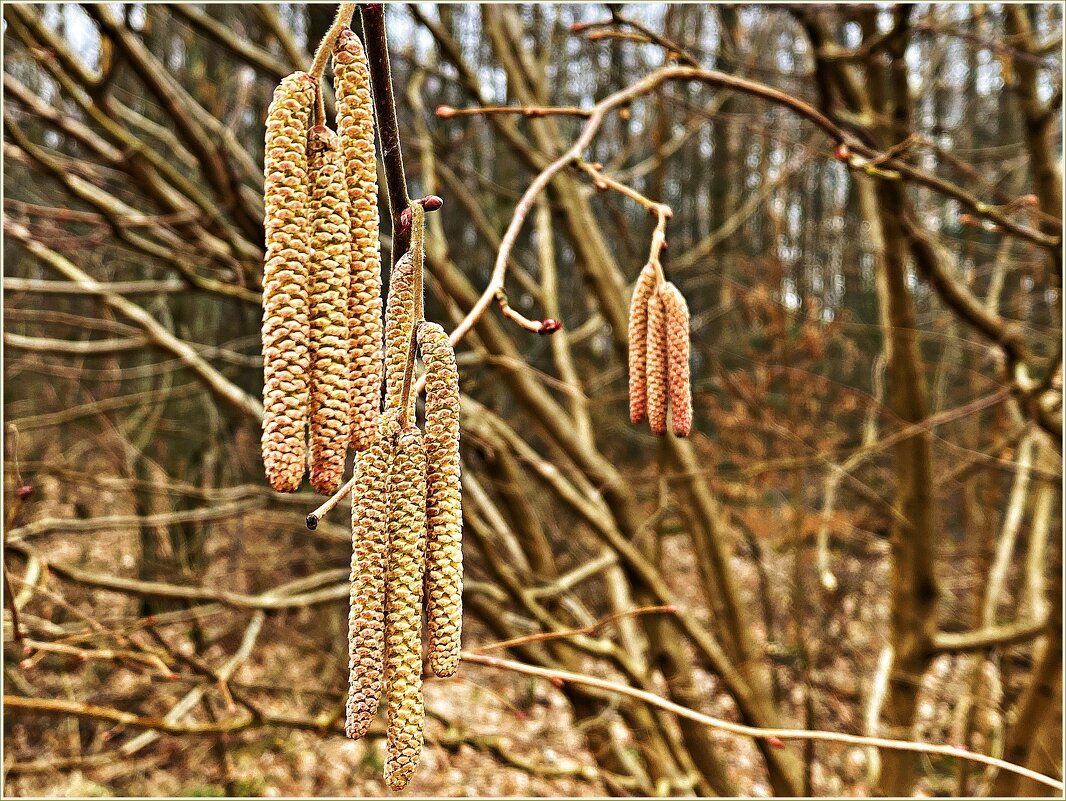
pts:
[861, 535]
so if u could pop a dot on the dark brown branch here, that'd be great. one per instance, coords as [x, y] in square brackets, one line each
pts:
[377, 52]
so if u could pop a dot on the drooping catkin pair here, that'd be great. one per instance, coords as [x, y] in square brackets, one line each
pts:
[407, 532]
[322, 278]
[659, 355]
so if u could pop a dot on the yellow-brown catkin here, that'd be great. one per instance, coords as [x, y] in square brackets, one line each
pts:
[679, 379]
[355, 124]
[399, 318]
[370, 548]
[286, 329]
[444, 512]
[403, 616]
[638, 343]
[330, 264]
[656, 366]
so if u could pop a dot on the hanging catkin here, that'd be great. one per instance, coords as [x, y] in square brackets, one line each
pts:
[286, 330]
[399, 318]
[403, 617]
[444, 553]
[638, 343]
[656, 366]
[679, 379]
[355, 124]
[330, 264]
[370, 543]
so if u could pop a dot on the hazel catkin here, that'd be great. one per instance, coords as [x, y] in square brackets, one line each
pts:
[286, 330]
[638, 343]
[444, 554]
[399, 319]
[355, 124]
[330, 264]
[679, 379]
[403, 617]
[656, 365]
[370, 547]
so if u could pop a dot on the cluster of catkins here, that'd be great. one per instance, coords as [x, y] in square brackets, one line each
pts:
[324, 366]
[659, 354]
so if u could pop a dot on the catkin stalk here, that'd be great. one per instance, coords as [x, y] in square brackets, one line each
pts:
[370, 546]
[679, 378]
[656, 366]
[286, 329]
[330, 267]
[355, 124]
[444, 552]
[638, 343]
[403, 618]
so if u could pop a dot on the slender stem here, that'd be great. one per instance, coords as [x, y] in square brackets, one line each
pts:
[324, 509]
[560, 677]
[325, 47]
[377, 54]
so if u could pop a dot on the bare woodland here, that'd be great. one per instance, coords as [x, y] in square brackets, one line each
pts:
[845, 580]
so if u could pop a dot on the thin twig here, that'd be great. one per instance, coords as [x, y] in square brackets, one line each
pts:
[323, 510]
[564, 676]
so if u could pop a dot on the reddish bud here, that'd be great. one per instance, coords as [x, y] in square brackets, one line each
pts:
[445, 112]
[26, 650]
[520, 715]
[624, 113]
[83, 657]
[1030, 200]
[26, 664]
[601, 185]
[430, 202]
[578, 27]
[150, 620]
[776, 742]
[549, 326]
[24, 492]
[843, 152]
[172, 676]
[557, 681]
